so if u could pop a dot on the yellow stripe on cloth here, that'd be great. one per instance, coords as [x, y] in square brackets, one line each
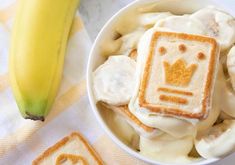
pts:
[112, 154]
[77, 25]
[3, 82]
[67, 99]
[61, 104]
[7, 13]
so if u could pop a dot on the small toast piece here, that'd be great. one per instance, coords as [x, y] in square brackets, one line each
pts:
[140, 127]
[179, 75]
[73, 149]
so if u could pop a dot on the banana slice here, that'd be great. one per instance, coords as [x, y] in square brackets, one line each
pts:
[130, 41]
[224, 116]
[218, 24]
[218, 141]
[114, 81]
[167, 148]
[110, 46]
[228, 102]
[184, 24]
[231, 65]
[215, 110]
[149, 19]
[227, 95]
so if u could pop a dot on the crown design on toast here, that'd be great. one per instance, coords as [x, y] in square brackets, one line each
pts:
[177, 74]
[74, 159]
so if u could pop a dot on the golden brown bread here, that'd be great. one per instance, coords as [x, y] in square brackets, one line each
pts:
[73, 148]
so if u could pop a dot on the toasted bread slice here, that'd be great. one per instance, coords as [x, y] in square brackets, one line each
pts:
[140, 127]
[73, 149]
[179, 75]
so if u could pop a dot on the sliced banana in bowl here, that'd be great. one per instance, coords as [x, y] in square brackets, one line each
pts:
[219, 141]
[218, 24]
[228, 103]
[231, 65]
[116, 83]
[214, 111]
[184, 24]
[114, 80]
[149, 19]
[166, 148]
[227, 95]
[130, 41]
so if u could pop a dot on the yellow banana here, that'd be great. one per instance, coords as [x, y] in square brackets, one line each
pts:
[39, 40]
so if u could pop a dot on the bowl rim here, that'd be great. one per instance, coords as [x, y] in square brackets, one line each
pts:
[95, 110]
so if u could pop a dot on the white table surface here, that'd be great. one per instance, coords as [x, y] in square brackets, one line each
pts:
[96, 12]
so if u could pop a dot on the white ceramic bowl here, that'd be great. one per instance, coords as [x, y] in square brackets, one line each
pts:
[95, 59]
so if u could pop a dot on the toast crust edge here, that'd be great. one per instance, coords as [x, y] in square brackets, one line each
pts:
[206, 100]
[133, 118]
[124, 111]
[62, 142]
